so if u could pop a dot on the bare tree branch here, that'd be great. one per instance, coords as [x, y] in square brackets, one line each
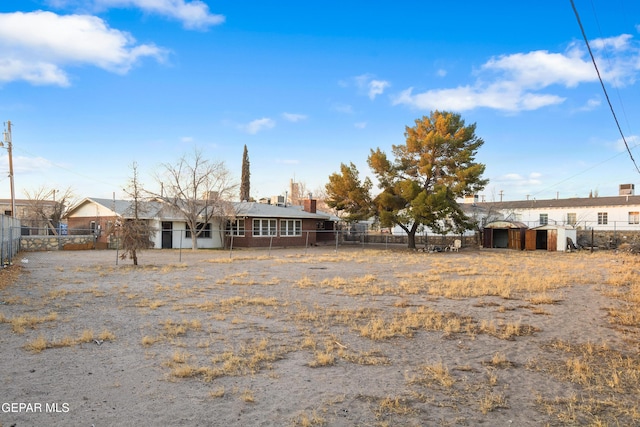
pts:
[199, 189]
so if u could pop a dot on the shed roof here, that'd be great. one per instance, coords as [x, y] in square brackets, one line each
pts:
[506, 224]
[553, 227]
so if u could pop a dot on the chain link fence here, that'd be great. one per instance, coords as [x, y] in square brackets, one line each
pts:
[10, 235]
[176, 243]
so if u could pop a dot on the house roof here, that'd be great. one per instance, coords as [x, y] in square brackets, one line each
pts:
[158, 209]
[122, 208]
[263, 210]
[575, 202]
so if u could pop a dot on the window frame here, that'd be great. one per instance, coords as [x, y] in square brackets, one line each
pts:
[233, 228]
[634, 217]
[603, 218]
[544, 219]
[291, 227]
[205, 234]
[270, 230]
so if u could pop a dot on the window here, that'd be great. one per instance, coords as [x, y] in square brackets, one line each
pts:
[634, 217]
[572, 219]
[204, 234]
[544, 219]
[290, 227]
[235, 228]
[264, 227]
[603, 218]
[92, 227]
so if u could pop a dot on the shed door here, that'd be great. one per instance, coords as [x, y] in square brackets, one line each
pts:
[552, 240]
[530, 240]
[487, 238]
[514, 239]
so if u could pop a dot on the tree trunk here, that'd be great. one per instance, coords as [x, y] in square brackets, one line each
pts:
[411, 239]
[411, 236]
[194, 241]
[134, 256]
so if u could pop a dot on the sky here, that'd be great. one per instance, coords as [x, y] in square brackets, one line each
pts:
[92, 86]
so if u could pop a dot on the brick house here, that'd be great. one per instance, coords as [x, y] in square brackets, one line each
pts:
[263, 225]
[255, 224]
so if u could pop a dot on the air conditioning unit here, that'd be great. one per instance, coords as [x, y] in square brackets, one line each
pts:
[627, 189]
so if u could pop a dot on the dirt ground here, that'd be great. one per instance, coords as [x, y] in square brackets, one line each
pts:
[357, 337]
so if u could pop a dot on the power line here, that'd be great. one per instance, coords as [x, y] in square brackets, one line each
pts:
[604, 89]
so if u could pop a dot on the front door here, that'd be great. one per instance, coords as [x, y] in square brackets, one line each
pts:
[167, 235]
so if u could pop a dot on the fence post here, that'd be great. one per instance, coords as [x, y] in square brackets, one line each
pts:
[306, 243]
[10, 244]
[231, 244]
[2, 241]
[270, 244]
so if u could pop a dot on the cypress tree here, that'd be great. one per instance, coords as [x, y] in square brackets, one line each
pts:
[245, 184]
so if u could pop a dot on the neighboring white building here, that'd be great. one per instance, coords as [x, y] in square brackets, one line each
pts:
[613, 213]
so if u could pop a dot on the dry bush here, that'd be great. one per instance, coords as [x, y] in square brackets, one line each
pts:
[308, 420]
[434, 374]
[20, 323]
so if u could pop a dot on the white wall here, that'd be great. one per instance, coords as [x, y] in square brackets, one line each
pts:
[180, 241]
[91, 209]
[587, 217]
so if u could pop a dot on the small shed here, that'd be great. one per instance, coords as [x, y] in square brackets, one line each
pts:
[551, 237]
[504, 234]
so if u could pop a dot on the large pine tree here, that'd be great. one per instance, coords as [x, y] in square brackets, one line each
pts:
[245, 181]
[435, 167]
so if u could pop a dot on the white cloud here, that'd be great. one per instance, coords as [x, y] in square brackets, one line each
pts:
[36, 47]
[342, 108]
[441, 72]
[291, 117]
[193, 14]
[467, 98]
[372, 87]
[632, 140]
[377, 87]
[259, 125]
[516, 82]
[591, 104]
[25, 165]
[518, 180]
[186, 139]
[360, 125]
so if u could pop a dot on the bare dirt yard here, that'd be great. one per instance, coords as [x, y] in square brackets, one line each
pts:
[354, 337]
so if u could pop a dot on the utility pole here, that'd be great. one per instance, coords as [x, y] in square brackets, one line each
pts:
[7, 141]
[501, 193]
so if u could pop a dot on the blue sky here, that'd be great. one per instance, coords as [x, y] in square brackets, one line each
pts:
[91, 86]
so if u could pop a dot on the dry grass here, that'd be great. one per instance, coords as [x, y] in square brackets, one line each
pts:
[225, 319]
[308, 420]
[20, 324]
[434, 374]
[86, 336]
